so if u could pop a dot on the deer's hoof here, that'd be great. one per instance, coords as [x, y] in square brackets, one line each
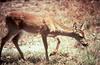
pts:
[53, 53]
[85, 45]
[1, 61]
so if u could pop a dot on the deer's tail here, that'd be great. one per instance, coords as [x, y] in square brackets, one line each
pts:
[11, 22]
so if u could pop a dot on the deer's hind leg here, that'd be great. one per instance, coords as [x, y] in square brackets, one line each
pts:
[5, 39]
[15, 41]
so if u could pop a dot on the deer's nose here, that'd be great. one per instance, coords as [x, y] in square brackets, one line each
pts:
[85, 44]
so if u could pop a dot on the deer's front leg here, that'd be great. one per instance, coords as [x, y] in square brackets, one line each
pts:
[44, 38]
[57, 47]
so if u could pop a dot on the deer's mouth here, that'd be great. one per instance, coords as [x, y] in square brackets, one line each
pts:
[84, 43]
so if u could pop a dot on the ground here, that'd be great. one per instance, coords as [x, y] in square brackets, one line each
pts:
[32, 45]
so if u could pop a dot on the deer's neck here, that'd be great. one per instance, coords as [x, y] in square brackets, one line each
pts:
[66, 33]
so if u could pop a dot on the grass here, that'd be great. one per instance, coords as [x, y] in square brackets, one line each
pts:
[34, 53]
[32, 46]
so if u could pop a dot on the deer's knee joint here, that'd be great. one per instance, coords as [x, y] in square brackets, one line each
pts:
[58, 40]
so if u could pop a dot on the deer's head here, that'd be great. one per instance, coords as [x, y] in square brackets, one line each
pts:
[79, 30]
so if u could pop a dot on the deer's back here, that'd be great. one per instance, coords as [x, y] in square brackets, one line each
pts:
[27, 18]
[30, 23]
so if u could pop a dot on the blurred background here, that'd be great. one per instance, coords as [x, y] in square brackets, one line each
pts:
[68, 12]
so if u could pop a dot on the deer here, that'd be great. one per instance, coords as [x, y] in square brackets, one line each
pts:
[17, 21]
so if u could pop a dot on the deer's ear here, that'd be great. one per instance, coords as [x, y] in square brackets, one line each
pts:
[79, 29]
[74, 27]
[82, 26]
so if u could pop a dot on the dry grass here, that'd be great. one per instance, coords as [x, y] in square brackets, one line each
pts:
[67, 12]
